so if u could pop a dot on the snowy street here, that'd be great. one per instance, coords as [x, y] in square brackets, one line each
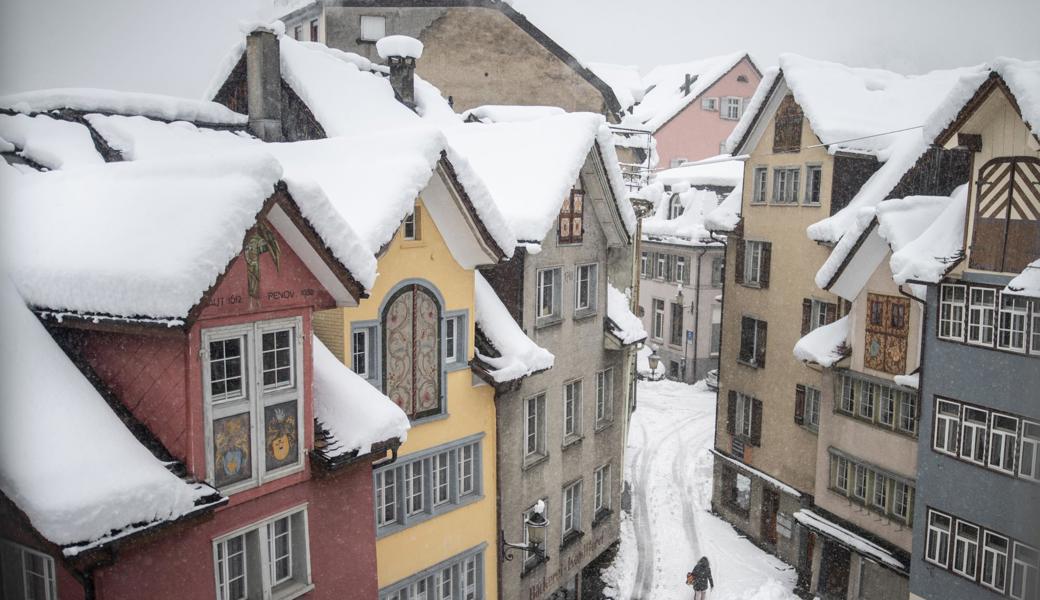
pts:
[669, 469]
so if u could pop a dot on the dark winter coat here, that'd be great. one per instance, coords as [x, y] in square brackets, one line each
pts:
[702, 576]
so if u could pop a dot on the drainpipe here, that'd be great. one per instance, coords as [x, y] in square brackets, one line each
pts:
[697, 311]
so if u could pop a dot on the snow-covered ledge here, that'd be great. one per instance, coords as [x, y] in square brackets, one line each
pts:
[824, 345]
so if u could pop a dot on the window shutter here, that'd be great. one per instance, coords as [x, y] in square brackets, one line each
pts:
[738, 268]
[746, 338]
[731, 413]
[760, 344]
[806, 315]
[799, 404]
[756, 422]
[767, 251]
[830, 312]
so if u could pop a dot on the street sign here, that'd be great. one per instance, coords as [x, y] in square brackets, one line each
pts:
[689, 335]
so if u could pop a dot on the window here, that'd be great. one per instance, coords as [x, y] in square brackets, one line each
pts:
[817, 313]
[813, 182]
[461, 577]
[1014, 314]
[1006, 224]
[859, 483]
[731, 108]
[758, 190]
[549, 294]
[966, 549]
[908, 412]
[994, 561]
[572, 508]
[675, 333]
[981, 315]
[710, 104]
[585, 288]
[947, 424]
[410, 226]
[811, 415]
[412, 354]
[880, 496]
[571, 213]
[753, 342]
[1002, 440]
[237, 407]
[1034, 344]
[745, 415]
[359, 353]
[675, 207]
[373, 28]
[742, 491]
[267, 559]
[314, 30]
[1024, 576]
[572, 409]
[887, 406]
[847, 402]
[937, 542]
[716, 338]
[605, 396]
[298, 33]
[534, 426]
[432, 482]
[674, 370]
[951, 312]
[662, 265]
[756, 260]
[1029, 452]
[973, 435]
[644, 265]
[601, 497]
[26, 573]
[658, 319]
[717, 264]
[680, 269]
[902, 493]
[841, 473]
[455, 336]
[785, 185]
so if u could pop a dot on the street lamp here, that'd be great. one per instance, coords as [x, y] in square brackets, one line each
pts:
[654, 360]
[535, 525]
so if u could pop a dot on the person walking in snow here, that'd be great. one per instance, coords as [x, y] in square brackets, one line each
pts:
[700, 579]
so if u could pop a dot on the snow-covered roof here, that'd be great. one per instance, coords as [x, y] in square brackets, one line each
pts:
[760, 474]
[399, 45]
[500, 113]
[1026, 283]
[530, 166]
[824, 345]
[722, 171]
[624, 80]
[726, 215]
[752, 110]
[92, 481]
[847, 538]
[49, 142]
[1022, 79]
[168, 108]
[664, 97]
[622, 322]
[355, 413]
[687, 228]
[911, 381]
[518, 356]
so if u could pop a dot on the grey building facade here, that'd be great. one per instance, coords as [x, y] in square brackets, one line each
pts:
[561, 431]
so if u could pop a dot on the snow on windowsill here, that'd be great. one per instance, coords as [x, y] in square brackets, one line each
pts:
[625, 325]
[763, 476]
[1026, 283]
[518, 355]
[825, 345]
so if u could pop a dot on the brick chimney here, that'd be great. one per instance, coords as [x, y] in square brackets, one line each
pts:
[264, 85]
[688, 83]
[400, 53]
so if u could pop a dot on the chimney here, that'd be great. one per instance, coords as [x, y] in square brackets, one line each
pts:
[688, 83]
[264, 85]
[400, 53]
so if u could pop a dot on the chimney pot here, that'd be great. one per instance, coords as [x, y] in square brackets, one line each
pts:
[400, 53]
[264, 85]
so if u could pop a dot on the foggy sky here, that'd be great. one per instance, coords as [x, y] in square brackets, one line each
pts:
[174, 46]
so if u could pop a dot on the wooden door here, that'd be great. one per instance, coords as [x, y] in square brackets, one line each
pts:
[770, 506]
[1006, 231]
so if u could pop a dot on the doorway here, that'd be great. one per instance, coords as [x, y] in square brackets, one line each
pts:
[770, 506]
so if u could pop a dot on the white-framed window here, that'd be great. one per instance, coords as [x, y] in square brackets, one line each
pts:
[601, 498]
[1029, 451]
[760, 177]
[711, 104]
[680, 269]
[644, 263]
[662, 266]
[937, 541]
[982, 310]
[254, 409]
[812, 407]
[880, 495]
[887, 406]
[605, 395]
[386, 497]
[1034, 344]
[415, 488]
[907, 411]
[298, 33]
[410, 225]
[1025, 580]
[786, 184]
[1011, 331]
[1003, 437]
[973, 434]
[572, 409]
[467, 470]
[744, 415]
[995, 548]
[847, 401]
[440, 467]
[902, 493]
[657, 327]
[731, 108]
[585, 287]
[841, 473]
[813, 184]
[461, 577]
[859, 482]
[534, 426]
[270, 559]
[966, 549]
[26, 573]
[373, 28]
[753, 262]
[455, 335]
[867, 399]
[675, 207]
[359, 353]
[952, 301]
[947, 425]
[572, 508]
[818, 313]
[549, 293]
[314, 31]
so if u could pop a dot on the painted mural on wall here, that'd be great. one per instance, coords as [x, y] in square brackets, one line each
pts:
[281, 435]
[231, 456]
[412, 356]
[262, 241]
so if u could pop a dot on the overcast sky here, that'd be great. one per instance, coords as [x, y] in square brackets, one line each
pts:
[173, 46]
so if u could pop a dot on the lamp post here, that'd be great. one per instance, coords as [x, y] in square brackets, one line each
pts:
[654, 361]
[535, 525]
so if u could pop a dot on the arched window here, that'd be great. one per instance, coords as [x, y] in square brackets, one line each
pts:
[412, 350]
[1006, 234]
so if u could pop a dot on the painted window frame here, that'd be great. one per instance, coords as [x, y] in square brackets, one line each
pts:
[549, 294]
[370, 331]
[998, 561]
[586, 275]
[657, 318]
[885, 493]
[813, 400]
[982, 316]
[680, 269]
[1029, 445]
[950, 421]
[1027, 567]
[464, 575]
[974, 448]
[1013, 323]
[1002, 443]
[601, 490]
[676, 324]
[458, 320]
[410, 226]
[813, 185]
[759, 184]
[731, 108]
[858, 395]
[753, 251]
[710, 103]
[258, 534]
[952, 311]
[745, 415]
[17, 557]
[644, 262]
[965, 550]
[786, 185]
[537, 434]
[937, 534]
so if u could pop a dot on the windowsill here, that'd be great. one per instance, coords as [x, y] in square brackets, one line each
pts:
[560, 244]
[430, 419]
[544, 322]
[533, 460]
[532, 565]
[455, 366]
[570, 539]
[413, 244]
[571, 441]
[775, 203]
[869, 506]
[602, 515]
[748, 364]
[879, 426]
[811, 204]
[294, 592]
[603, 425]
[584, 313]
[815, 430]
[752, 284]
[388, 530]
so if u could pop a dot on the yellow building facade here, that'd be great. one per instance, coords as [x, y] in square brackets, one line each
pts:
[435, 506]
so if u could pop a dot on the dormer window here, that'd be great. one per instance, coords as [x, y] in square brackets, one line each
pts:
[1006, 228]
[676, 208]
[571, 218]
[373, 28]
[410, 226]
